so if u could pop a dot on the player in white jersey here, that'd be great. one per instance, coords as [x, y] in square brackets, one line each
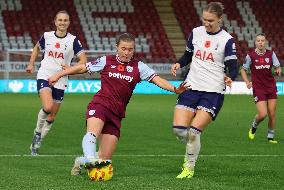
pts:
[58, 47]
[210, 49]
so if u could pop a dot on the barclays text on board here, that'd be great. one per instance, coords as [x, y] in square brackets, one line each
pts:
[92, 86]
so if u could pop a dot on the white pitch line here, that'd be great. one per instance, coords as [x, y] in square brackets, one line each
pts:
[149, 155]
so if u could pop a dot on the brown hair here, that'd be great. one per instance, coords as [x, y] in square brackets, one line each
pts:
[63, 12]
[216, 8]
[260, 34]
[126, 37]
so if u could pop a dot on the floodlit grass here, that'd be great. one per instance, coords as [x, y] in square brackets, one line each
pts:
[148, 155]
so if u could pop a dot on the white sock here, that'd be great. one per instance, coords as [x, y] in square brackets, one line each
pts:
[45, 129]
[89, 145]
[192, 147]
[270, 134]
[41, 118]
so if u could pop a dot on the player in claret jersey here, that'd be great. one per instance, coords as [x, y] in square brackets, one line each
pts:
[260, 62]
[119, 75]
[58, 47]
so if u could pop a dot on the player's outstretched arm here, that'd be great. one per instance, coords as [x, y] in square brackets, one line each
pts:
[81, 68]
[164, 84]
[30, 67]
[82, 59]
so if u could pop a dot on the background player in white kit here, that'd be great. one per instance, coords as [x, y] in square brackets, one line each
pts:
[209, 49]
[59, 47]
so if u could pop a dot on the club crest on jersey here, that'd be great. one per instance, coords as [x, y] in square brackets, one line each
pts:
[207, 44]
[57, 45]
[266, 60]
[129, 69]
[56, 54]
[204, 56]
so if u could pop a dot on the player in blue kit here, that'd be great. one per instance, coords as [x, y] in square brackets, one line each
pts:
[58, 47]
[209, 49]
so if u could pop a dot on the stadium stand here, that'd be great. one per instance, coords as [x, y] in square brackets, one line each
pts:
[97, 22]
[242, 19]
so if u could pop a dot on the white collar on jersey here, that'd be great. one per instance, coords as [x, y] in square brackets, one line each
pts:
[121, 62]
[258, 52]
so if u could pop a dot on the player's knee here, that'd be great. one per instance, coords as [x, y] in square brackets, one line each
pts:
[51, 117]
[47, 109]
[262, 115]
[181, 133]
[47, 112]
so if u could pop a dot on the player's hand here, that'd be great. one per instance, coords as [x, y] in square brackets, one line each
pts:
[64, 66]
[174, 69]
[53, 79]
[249, 84]
[228, 81]
[182, 87]
[278, 71]
[30, 68]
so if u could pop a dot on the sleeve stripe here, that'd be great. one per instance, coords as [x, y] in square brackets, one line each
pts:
[82, 51]
[187, 49]
[152, 76]
[88, 67]
[230, 57]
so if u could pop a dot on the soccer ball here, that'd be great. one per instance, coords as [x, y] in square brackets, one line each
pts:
[103, 173]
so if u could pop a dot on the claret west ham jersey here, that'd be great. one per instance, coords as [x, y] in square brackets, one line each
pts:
[261, 74]
[57, 51]
[210, 52]
[118, 81]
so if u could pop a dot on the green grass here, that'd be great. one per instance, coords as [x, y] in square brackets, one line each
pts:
[148, 155]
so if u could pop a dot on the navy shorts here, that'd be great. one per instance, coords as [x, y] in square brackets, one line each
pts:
[112, 122]
[57, 94]
[193, 100]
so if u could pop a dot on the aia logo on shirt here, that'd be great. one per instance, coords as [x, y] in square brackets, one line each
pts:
[204, 56]
[56, 54]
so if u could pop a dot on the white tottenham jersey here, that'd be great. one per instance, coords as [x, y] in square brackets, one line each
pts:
[210, 51]
[57, 51]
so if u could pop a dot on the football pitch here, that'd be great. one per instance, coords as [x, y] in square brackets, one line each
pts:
[148, 155]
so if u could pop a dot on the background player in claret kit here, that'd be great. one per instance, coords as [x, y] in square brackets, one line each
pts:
[59, 47]
[209, 49]
[260, 62]
[119, 75]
